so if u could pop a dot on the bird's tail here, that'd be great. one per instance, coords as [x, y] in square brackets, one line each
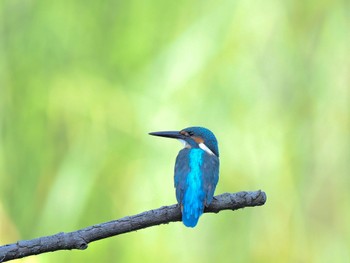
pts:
[191, 213]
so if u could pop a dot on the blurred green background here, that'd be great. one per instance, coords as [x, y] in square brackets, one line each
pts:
[83, 82]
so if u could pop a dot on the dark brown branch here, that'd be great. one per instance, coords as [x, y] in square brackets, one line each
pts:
[81, 238]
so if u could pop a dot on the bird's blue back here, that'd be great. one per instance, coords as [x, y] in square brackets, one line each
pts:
[196, 176]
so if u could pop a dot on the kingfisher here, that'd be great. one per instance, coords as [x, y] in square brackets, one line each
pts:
[196, 171]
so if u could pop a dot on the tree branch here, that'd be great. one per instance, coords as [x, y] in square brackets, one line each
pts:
[81, 238]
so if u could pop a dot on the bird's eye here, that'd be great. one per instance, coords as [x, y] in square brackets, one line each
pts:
[190, 133]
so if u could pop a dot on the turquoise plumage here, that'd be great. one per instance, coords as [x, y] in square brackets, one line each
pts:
[196, 171]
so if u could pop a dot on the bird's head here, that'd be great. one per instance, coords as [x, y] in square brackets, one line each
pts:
[193, 137]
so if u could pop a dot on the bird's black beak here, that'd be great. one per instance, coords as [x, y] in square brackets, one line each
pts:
[168, 134]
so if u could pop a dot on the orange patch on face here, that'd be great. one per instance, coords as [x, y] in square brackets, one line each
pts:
[184, 133]
[197, 139]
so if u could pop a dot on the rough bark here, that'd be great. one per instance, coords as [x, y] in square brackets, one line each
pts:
[81, 238]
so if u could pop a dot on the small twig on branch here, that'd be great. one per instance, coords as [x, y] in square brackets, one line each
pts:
[81, 238]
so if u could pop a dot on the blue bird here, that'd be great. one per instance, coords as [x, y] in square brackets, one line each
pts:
[196, 171]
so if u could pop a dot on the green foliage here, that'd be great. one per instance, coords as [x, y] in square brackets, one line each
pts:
[82, 82]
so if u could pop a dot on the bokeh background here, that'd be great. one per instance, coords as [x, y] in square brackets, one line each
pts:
[83, 82]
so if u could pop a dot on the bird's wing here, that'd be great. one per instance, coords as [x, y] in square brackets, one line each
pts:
[182, 169]
[210, 176]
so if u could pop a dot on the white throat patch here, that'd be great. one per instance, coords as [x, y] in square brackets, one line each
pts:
[184, 143]
[201, 145]
[205, 148]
